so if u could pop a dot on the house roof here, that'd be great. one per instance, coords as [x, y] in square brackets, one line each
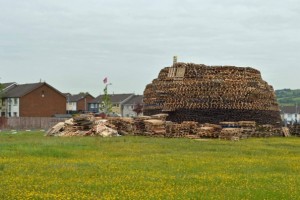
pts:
[7, 85]
[290, 109]
[135, 99]
[115, 98]
[19, 90]
[76, 97]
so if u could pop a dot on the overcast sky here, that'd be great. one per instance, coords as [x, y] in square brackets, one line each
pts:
[74, 44]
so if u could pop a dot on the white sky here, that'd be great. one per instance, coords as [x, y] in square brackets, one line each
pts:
[74, 44]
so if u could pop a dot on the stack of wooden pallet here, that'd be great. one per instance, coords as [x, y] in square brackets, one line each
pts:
[247, 128]
[230, 133]
[265, 130]
[210, 94]
[124, 125]
[155, 127]
[139, 125]
[209, 130]
[295, 129]
[83, 122]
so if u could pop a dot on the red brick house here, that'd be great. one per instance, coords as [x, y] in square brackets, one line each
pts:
[32, 100]
[78, 103]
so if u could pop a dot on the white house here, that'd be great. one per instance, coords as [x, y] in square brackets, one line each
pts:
[290, 114]
[129, 105]
[9, 106]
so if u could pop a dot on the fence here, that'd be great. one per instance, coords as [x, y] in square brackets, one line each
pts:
[25, 123]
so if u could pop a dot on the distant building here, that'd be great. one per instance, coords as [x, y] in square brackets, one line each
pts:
[290, 114]
[78, 103]
[129, 106]
[31, 100]
[117, 101]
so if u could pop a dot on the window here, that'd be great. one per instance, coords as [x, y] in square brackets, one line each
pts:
[15, 114]
[15, 101]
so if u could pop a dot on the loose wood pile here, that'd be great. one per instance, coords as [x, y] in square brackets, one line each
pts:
[83, 125]
[191, 92]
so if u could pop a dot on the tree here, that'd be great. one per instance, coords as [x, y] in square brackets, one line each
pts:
[1, 93]
[1, 90]
[105, 105]
[138, 108]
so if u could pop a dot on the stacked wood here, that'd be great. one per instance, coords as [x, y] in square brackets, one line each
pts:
[209, 130]
[160, 116]
[230, 133]
[247, 128]
[286, 131]
[180, 130]
[229, 124]
[295, 129]
[139, 125]
[192, 126]
[155, 127]
[124, 125]
[169, 129]
[266, 130]
[83, 122]
[211, 94]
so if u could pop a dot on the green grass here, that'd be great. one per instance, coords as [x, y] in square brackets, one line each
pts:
[33, 166]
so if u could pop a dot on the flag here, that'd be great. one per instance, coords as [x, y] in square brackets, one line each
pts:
[105, 80]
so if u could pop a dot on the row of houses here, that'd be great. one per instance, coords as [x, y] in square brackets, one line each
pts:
[42, 100]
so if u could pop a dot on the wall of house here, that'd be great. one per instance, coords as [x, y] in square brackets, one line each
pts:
[128, 111]
[13, 107]
[42, 102]
[71, 106]
[116, 109]
[291, 118]
[10, 107]
[93, 107]
[82, 104]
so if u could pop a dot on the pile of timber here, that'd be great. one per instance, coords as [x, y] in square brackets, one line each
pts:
[155, 127]
[139, 125]
[268, 130]
[295, 129]
[230, 133]
[209, 130]
[211, 94]
[247, 128]
[124, 125]
[83, 125]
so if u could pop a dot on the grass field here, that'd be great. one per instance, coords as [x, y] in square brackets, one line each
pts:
[33, 166]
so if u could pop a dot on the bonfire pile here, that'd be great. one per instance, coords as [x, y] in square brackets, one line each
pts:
[211, 94]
